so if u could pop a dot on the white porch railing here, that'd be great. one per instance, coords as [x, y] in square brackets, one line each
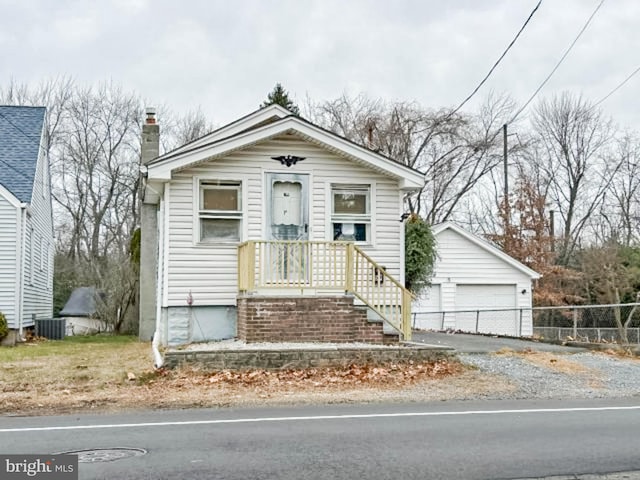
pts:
[320, 265]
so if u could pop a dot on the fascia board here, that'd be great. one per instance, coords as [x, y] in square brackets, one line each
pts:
[10, 197]
[233, 128]
[409, 179]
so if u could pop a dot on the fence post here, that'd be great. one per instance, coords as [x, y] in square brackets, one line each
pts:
[477, 319]
[520, 330]
[406, 315]
[442, 328]
[349, 266]
[575, 324]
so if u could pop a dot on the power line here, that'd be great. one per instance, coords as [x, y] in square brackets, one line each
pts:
[498, 61]
[559, 63]
[452, 113]
[617, 87]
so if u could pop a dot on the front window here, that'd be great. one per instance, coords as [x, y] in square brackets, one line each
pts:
[220, 211]
[351, 212]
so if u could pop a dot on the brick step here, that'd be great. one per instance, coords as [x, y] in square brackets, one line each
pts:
[264, 318]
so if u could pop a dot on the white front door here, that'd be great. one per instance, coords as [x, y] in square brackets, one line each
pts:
[287, 221]
[287, 206]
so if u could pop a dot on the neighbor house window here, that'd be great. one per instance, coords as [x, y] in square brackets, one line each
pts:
[220, 211]
[351, 212]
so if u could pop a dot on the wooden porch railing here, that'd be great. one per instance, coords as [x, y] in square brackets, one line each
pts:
[316, 265]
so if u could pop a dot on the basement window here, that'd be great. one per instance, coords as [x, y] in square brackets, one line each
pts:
[351, 212]
[220, 211]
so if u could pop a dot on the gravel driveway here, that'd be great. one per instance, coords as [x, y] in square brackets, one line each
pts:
[549, 375]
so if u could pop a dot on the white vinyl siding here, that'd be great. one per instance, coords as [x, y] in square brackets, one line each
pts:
[472, 277]
[9, 215]
[38, 296]
[209, 271]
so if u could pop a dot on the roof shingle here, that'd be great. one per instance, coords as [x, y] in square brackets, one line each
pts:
[20, 134]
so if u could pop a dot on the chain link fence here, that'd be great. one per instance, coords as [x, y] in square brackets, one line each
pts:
[587, 323]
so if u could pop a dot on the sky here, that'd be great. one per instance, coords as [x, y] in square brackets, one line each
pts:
[224, 56]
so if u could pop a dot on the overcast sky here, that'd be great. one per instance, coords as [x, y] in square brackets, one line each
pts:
[225, 56]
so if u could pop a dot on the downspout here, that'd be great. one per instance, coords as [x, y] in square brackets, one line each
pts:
[158, 361]
[21, 274]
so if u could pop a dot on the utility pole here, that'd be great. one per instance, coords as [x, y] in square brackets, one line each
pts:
[552, 229]
[506, 176]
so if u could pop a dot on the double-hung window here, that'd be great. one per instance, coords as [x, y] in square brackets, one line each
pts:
[351, 212]
[220, 211]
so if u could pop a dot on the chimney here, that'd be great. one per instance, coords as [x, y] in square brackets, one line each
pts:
[150, 136]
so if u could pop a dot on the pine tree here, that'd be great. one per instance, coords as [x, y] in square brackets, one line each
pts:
[280, 97]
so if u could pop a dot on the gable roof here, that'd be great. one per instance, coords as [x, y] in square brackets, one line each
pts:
[268, 123]
[81, 303]
[482, 243]
[20, 135]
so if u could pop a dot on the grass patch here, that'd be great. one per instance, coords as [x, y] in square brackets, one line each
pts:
[69, 346]
[112, 373]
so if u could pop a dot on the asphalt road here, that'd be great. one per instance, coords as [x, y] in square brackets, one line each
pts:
[456, 440]
[468, 343]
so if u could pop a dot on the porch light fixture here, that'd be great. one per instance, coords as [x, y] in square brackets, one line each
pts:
[288, 160]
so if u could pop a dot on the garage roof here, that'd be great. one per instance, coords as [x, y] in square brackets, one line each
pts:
[482, 243]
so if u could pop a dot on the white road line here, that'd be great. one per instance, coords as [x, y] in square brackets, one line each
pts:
[320, 417]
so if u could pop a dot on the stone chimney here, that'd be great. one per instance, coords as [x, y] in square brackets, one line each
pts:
[149, 234]
[150, 136]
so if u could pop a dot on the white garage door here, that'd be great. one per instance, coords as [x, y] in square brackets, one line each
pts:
[486, 297]
[423, 309]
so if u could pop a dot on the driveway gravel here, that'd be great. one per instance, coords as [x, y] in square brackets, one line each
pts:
[547, 375]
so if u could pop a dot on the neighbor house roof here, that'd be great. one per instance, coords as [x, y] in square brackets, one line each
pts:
[482, 243]
[268, 123]
[20, 134]
[81, 303]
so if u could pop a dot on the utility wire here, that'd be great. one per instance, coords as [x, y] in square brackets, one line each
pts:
[498, 61]
[452, 113]
[557, 64]
[617, 88]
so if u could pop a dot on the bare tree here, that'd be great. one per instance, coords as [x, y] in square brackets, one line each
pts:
[574, 136]
[54, 93]
[621, 208]
[96, 172]
[454, 151]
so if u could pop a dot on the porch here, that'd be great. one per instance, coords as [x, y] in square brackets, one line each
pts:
[322, 270]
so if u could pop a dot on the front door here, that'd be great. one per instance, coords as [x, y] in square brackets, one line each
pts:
[287, 206]
[287, 219]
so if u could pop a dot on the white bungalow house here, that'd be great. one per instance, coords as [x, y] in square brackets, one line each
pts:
[26, 225]
[476, 287]
[272, 228]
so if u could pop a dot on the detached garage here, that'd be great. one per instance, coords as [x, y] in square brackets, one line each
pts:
[476, 287]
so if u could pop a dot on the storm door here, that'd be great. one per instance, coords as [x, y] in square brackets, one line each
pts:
[287, 224]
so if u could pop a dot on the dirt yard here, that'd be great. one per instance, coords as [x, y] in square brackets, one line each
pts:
[110, 373]
[107, 373]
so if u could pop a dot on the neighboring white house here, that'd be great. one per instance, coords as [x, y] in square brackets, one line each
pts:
[267, 177]
[26, 225]
[476, 287]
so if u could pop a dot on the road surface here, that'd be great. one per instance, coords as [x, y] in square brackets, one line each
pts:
[453, 440]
